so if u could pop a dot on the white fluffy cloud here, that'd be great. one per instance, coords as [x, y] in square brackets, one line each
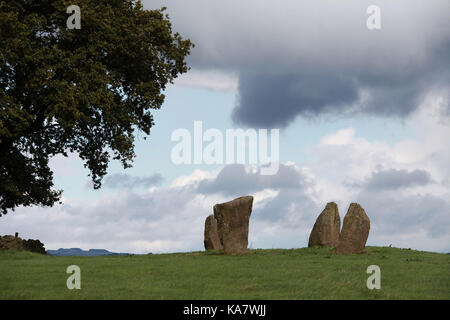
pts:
[209, 79]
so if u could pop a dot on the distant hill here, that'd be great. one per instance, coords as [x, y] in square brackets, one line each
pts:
[84, 253]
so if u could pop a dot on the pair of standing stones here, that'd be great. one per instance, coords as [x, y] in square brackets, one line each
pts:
[327, 229]
[228, 228]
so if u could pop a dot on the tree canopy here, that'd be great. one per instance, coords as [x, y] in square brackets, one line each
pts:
[81, 90]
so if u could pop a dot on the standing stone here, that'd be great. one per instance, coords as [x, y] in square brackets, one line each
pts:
[355, 230]
[211, 240]
[11, 243]
[326, 229]
[232, 224]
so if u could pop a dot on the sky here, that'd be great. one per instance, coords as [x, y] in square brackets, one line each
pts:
[363, 116]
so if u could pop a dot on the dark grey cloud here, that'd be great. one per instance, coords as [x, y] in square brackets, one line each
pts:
[271, 100]
[310, 58]
[234, 180]
[125, 181]
[275, 100]
[396, 179]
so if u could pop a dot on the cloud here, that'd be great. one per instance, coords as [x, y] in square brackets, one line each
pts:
[395, 179]
[208, 79]
[267, 100]
[310, 58]
[167, 219]
[341, 137]
[237, 180]
[408, 220]
[287, 196]
[125, 181]
[157, 220]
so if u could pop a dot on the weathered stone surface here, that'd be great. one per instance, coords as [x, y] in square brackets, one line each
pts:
[233, 222]
[326, 228]
[211, 240]
[15, 243]
[355, 230]
[11, 243]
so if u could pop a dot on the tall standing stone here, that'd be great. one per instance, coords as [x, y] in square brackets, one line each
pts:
[326, 229]
[211, 240]
[233, 223]
[355, 230]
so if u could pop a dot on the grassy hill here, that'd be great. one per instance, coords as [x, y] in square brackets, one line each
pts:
[307, 273]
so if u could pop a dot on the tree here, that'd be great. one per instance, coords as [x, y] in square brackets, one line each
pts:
[78, 90]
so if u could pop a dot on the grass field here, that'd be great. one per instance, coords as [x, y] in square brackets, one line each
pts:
[307, 273]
